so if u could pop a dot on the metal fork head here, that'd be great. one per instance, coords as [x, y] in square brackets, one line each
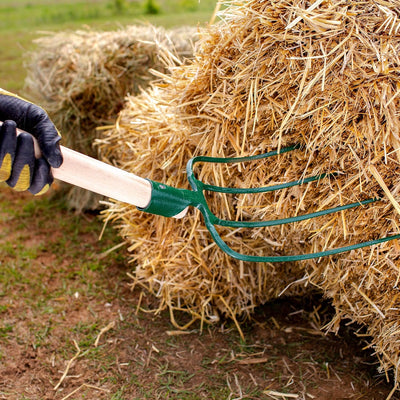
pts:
[211, 220]
[170, 201]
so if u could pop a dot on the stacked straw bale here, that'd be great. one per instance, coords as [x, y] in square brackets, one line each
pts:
[81, 78]
[323, 74]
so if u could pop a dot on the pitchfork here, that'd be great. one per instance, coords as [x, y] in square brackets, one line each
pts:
[160, 199]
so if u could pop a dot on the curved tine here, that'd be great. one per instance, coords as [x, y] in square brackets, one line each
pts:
[261, 224]
[237, 160]
[297, 257]
[195, 183]
[264, 189]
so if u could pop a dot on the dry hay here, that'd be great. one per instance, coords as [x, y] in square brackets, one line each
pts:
[322, 74]
[175, 259]
[81, 78]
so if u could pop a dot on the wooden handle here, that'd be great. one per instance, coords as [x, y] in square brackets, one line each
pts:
[99, 177]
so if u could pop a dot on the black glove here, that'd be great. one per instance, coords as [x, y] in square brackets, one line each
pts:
[18, 166]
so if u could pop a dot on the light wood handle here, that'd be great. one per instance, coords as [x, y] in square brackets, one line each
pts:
[99, 177]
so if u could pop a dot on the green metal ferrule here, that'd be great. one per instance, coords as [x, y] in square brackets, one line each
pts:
[167, 200]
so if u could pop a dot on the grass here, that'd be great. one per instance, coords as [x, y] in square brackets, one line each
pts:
[21, 22]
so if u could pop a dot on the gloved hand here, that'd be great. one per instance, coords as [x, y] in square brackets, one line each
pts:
[18, 166]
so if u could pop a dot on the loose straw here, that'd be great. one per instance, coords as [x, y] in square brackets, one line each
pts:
[70, 362]
[382, 184]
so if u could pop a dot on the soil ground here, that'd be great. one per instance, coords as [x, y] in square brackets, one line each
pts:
[71, 328]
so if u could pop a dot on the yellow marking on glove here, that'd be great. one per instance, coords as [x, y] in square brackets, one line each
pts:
[5, 169]
[44, 190]
[24, 180]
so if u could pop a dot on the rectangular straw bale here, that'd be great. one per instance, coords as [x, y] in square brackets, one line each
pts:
[82, 77]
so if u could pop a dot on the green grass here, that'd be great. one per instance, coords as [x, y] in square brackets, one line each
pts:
[21, 22]
[66, 13]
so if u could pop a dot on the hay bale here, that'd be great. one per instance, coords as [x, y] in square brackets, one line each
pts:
[81, 78]
[325, 75]
[175, 259]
